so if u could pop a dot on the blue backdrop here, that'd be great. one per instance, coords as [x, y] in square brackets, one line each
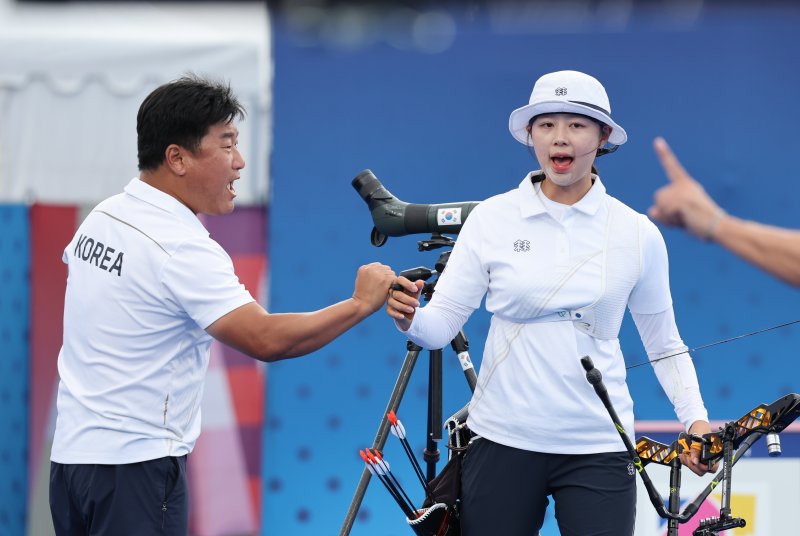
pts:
[719, 84]
[14, 309]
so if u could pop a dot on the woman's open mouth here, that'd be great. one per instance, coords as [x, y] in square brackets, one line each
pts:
[561, 163]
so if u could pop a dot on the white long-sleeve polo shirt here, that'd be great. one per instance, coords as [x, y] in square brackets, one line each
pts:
[144, 281]
[557, 280]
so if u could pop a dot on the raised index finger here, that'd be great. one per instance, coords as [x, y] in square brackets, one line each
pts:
[672, 167]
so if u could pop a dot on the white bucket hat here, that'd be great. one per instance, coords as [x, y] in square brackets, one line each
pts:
[566, 92]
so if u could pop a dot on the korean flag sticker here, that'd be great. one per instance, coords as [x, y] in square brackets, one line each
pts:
[449, 216]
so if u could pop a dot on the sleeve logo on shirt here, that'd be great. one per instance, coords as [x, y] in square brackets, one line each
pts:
[522, 245]
[90, 250]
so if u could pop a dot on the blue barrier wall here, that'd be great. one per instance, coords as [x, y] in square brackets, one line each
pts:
[14, 308]
[718, 83]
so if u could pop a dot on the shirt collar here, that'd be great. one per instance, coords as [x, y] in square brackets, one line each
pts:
[162, 200]
[531, 205]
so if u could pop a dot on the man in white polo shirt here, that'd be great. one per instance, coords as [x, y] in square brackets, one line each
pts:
[147, 290]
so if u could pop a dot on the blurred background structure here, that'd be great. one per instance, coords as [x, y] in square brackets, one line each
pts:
[420, 93]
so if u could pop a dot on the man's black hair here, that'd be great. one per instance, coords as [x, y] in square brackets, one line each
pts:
[181, 112]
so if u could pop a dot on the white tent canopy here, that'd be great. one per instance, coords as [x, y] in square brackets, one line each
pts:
[72, 79]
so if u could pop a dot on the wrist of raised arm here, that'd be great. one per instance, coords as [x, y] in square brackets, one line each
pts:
[709, 234]
[361, 309]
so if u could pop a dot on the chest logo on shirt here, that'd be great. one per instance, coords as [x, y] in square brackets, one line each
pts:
[94, 252]
[522, 245]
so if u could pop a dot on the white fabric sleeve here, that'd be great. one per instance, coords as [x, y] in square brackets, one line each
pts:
[200, 277]
[651, 293]
[676, 375]
[436, 324]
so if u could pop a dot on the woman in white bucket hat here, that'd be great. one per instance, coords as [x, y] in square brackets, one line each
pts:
[558, 260]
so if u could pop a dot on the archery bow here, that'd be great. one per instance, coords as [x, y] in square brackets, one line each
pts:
[741, 434]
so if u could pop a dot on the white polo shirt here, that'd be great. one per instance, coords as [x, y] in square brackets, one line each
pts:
[557, 279]
[144, 281]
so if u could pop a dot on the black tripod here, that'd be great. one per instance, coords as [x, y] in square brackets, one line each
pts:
[460, 345]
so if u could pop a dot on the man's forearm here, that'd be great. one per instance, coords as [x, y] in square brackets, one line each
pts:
[296, 334]
[771, 248]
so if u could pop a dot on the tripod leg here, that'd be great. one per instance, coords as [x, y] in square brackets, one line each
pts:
[383, 432]
[460, 345]
[431, 454]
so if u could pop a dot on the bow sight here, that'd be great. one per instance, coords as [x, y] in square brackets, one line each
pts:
[739, 436]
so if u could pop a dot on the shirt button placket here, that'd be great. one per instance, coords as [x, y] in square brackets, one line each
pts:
[562, 245]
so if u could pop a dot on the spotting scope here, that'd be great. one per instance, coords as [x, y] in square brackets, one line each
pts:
[393, 217]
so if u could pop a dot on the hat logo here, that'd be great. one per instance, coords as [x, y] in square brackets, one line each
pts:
[561, 91]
